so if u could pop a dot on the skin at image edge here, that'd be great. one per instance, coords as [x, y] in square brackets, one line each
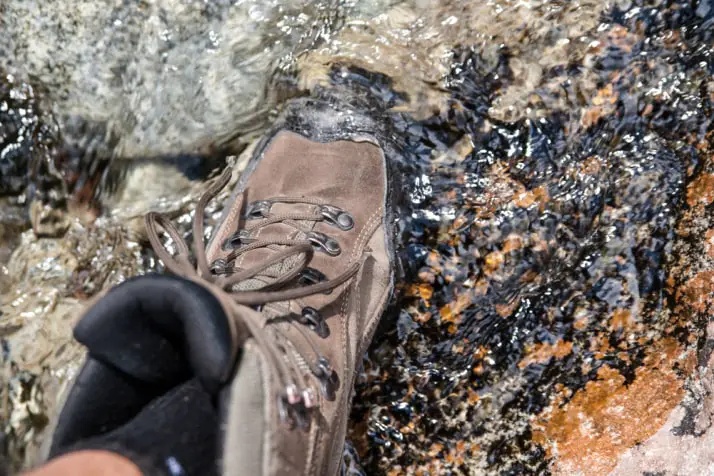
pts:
[86, 463]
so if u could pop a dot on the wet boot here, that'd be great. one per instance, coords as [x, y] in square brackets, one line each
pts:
[301, 265]
[306, 243]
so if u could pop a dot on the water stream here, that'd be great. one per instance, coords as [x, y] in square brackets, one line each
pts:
[557, 256]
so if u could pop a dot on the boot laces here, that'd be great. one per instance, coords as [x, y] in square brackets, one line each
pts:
[222, 277]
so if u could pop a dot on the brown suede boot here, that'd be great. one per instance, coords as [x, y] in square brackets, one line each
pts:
[302, 263]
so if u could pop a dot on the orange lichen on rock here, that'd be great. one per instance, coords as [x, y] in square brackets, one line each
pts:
[622, 38]
[440, 457]
[473, 396]
[581, 323]
[709, 243]
[422, 317]
[600, 345]
[455, 456]
[602, 105]
[480, 352]
[698, 292]
[701, 190]
[435, 449]
[506, 309]
[502, 191]
[605, 95]
[543, 352]
[447, 315]
[588, 433]
[458, 223]
[591, 166]
[423, 291]
[621, 319]
[512, 243]
[592, 115]
[493, 261]
[433, 260]
[526, 199]
[451, 312]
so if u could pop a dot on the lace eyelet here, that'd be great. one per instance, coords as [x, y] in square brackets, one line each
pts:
[329, 382]
[292, 415]
[293, 395]
[258, 209]
[335, 216]
[310, 398]
[284, 412]
[302, 420]
[311, 276]
[312, 318]
[241, 237]
[219, 266]
[325, 243]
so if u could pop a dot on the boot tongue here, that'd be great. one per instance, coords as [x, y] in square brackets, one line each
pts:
[274, 231]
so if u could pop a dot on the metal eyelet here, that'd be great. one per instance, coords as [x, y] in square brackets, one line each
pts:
[309, 397]
[312, 318]
[329, 382]
[293, 395]
[311, 276]
[241, 237]
[284, 412]
[324, 242]
[300, 415]
[258, 209]
[293, 415]
[335, 216]
[219, 266]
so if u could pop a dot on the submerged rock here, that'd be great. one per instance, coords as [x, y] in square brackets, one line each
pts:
[27, 135]
[48, 281]
[558, 301]
[558, 260]
[165, 76]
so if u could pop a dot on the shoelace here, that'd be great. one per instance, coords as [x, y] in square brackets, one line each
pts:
[220, 278]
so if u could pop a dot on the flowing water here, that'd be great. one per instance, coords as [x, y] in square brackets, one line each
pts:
[557, 256]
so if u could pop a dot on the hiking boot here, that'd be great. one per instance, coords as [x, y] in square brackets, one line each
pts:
[302, 263]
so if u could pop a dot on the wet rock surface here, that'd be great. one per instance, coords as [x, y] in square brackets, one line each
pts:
[162, 75]
[560, 295]
[557, 257]
[26, 134]
[48, 281]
